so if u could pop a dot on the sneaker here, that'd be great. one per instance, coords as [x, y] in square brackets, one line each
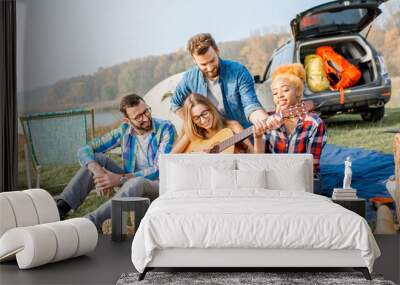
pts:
[63, 208]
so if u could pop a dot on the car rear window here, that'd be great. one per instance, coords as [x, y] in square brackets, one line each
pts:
[348, 17]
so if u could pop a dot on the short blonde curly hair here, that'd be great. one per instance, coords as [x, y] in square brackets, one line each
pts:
[294, 72]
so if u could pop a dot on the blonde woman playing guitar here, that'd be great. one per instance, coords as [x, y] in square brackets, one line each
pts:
[204, 126]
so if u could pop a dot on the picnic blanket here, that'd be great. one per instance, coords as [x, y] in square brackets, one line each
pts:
[371, 169]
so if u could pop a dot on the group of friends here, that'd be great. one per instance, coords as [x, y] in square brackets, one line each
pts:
[213, 95]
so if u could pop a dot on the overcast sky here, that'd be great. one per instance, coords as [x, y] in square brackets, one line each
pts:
[59, 39]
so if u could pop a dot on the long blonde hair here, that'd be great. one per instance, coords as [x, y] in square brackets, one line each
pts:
[189, 127]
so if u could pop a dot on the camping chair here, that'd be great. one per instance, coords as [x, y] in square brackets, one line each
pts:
[53, 138]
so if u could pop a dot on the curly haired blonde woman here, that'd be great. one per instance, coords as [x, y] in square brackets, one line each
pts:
[305, 134]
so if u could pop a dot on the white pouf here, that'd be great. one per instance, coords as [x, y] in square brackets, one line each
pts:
[26, 208]
[31, 231]
[37, 245]
[22, 207]
[45, 206]
[7, 218]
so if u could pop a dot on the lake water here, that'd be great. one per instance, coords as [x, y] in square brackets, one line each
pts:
[101, 119]
[106, 118]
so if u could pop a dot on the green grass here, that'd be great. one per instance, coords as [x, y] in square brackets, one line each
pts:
[91, 203]
[352, 131]
[55, 178]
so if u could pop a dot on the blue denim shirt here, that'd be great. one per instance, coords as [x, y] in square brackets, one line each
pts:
[237, 86]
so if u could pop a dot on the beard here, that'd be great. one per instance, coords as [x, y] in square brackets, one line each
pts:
[212, 74]
[145, 126]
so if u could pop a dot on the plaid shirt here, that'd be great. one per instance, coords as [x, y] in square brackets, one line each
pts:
[309, 136]
[161, 141]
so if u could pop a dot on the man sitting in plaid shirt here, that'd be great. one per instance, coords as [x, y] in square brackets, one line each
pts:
[306, 134]
[142, 139]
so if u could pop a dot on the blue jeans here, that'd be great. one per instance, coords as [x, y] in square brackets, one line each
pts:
[82, 183]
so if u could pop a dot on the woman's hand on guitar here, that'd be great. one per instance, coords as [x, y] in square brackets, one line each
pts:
[208, 150]
[215, 148]
[258, 130]
[274, 122]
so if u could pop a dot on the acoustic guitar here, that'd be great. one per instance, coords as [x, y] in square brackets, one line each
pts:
[224, 141]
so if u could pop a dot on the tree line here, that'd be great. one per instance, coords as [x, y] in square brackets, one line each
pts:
[139, 75]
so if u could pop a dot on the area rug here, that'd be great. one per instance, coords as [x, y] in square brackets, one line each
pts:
[269, 278]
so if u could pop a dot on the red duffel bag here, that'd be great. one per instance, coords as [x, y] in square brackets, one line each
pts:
[340, 72]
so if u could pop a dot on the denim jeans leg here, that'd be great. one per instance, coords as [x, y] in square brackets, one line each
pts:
[134, 187]
[80, 185]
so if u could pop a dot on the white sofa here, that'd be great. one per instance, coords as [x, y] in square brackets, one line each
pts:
[31, 231]
[247, 210]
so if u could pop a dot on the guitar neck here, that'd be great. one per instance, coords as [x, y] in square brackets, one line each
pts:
[240, 136]
[236, 138]
[295, 111]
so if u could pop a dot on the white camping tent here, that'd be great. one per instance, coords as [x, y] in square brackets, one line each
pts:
[158, 98]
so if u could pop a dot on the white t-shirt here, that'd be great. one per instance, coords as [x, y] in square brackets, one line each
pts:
[214, 94]
[141, 154]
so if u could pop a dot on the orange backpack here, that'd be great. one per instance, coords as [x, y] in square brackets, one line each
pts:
[340, 72]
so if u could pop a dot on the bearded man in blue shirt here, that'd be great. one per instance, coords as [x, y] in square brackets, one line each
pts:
[228, 84]
[142, 139]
